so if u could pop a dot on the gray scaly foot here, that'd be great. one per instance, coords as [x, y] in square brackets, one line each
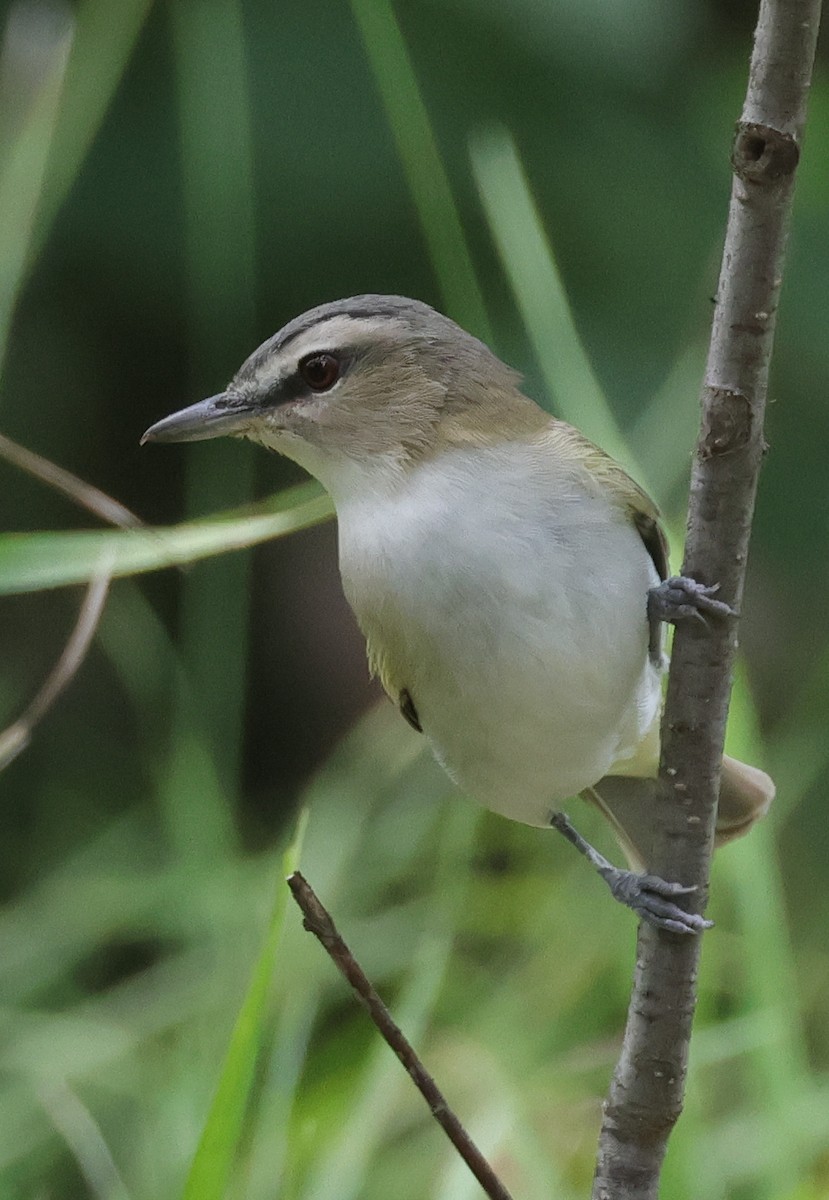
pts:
[646, 895]
[679, 599]
[650, 898]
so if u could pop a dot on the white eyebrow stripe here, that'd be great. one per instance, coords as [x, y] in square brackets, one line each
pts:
[271, 372]
[333, 333]
[330, 334]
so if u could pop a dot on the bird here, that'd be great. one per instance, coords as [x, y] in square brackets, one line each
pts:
[510, 578]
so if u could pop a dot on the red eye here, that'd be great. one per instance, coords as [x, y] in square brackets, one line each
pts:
[320, 371]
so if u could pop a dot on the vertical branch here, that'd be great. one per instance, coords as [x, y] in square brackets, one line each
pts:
[647, 1089]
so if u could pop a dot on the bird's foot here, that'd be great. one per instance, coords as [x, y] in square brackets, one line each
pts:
[651, 899]
[647, 895]
[680, 598]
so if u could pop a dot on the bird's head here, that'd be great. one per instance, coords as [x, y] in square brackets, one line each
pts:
[373, 383]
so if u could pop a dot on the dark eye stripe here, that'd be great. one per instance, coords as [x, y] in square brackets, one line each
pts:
[294, 387]
[286, 390]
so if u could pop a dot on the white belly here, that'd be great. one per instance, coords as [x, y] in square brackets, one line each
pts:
[515, 617]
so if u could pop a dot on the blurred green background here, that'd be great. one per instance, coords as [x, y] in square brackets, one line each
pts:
[176, 181]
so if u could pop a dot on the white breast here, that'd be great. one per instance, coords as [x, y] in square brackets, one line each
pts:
[510, 603]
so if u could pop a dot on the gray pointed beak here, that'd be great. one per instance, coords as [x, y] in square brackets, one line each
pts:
[219, 416]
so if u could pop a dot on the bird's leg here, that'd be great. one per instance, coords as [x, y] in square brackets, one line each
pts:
[680, 598]
[648, 895]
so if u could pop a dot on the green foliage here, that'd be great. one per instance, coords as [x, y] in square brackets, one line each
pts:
[29, 562]
[215, 1157]
[177, 182]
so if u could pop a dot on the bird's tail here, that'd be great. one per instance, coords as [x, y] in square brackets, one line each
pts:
[746, 794]
[629, 806]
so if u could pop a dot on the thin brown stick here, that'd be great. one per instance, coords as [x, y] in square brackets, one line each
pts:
[647, 1090]
[319, 922]
[16, 737]
[81, 493]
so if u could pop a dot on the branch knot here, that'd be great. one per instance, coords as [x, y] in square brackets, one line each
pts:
[726, 424]
[762, 154]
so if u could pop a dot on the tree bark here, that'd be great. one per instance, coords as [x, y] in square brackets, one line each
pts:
[646, 1094]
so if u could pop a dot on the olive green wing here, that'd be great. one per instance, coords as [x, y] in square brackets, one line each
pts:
[612, 479]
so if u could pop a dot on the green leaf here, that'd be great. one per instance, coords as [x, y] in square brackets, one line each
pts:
[30, 562]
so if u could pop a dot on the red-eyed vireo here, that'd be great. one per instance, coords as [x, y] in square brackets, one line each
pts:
[509, 577]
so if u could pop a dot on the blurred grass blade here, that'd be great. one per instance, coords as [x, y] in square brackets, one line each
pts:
[345, 797]
[491, 1131]
[153, 675]
[82, 58]
[220, 251]
[35, 561]
[531, 268]
[349, 1156]
[84, 1137]
[426, 176]
[215, 1156]
[36, 45]
[665, 431]
[800, 748]
[778, 1066]
[105, 36]
[376, 1097]
[217, 179]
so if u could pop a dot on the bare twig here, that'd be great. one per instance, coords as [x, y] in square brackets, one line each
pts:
[81, 493]
[17, 736]
[647, 1090]
[319, 922]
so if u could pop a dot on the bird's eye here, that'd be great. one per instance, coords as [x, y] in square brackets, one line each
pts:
[320, 371]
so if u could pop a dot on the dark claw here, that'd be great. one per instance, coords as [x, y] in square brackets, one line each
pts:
[648, 896]
[665, 887]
